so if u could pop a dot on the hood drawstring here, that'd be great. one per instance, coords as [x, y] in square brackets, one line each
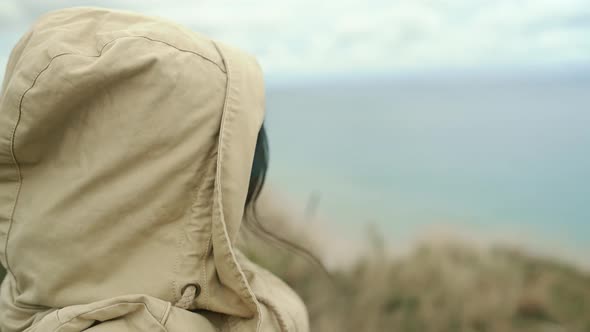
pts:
[189, 294]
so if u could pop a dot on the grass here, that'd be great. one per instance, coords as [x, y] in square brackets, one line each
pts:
[442, 287]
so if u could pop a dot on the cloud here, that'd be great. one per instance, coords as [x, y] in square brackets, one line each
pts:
[10, 11]
[312, 37]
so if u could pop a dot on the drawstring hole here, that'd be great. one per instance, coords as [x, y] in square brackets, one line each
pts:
[188, 295]
[195, 285]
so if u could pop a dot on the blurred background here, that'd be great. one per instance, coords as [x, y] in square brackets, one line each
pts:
[426, 119]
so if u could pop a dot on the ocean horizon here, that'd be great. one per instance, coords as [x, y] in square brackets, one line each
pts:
[504, 154]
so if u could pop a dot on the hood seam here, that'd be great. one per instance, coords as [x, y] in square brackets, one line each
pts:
[204, 270]
[109, 306]
[166, 314]
[178, 49]
[229, 254]
[279, 316]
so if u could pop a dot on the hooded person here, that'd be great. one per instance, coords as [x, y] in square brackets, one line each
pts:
[126, 146]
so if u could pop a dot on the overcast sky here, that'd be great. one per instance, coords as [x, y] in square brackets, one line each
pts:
[307, 37]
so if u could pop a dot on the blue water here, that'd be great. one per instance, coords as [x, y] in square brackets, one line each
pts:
[490, 152]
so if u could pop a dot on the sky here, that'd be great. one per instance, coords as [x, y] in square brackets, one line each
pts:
[321, 38]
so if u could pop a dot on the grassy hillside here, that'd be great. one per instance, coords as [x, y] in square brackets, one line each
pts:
[439, 288]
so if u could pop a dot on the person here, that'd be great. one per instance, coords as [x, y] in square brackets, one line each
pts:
[126, 152]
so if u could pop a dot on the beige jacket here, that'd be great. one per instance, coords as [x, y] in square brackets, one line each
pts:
[125, 151]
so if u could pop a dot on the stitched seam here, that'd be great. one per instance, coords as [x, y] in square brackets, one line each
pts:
[275, 310]
[166, 314]
[238, 273]
[176, 269]
[209, 247]
[179, 49]
[17, 122]
[107, 307]
[17, 166]
[203, 182]
[204, 274]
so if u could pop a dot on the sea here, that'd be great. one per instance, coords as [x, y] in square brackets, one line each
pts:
[500, 156]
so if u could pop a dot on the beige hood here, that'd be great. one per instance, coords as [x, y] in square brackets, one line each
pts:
[125, 151]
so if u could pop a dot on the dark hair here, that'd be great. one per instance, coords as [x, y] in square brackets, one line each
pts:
[259, 168]
[257, 180]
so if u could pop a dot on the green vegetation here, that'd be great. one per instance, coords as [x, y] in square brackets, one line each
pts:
[438, 288]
